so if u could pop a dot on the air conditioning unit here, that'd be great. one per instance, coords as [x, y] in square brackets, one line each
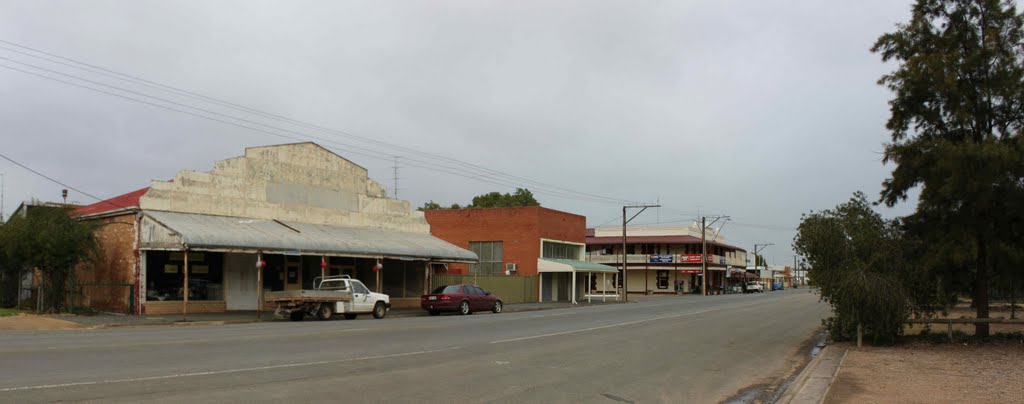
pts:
[510, 268]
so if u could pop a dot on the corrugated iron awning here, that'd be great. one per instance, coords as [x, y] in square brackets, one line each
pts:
[564, 265]
[174, 231]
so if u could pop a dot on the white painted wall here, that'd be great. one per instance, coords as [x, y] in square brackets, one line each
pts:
[300, 182]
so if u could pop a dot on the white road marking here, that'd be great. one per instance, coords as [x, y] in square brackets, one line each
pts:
[219, 372]
[620, 324]
[165, 342]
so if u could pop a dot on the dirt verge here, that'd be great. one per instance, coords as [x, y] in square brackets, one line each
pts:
[921, 372]
[25, 322]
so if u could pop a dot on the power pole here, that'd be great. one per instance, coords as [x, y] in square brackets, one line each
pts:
[625, 278]
[756, 249]
[703, 256]
[396, 177]
[704, 251]
[2, 203]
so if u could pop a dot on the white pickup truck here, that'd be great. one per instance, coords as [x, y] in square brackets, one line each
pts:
[332, 294]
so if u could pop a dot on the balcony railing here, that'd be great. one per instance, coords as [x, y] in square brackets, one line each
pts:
[693, 259]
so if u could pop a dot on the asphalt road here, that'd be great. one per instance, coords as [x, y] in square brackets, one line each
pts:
[669, 349]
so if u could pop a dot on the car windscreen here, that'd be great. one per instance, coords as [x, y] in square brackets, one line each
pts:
[448, 289]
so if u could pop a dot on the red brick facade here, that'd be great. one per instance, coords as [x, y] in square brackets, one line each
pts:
[108, 281]
[519, 229]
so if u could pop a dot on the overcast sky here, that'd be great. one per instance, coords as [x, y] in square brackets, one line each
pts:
[761, 110]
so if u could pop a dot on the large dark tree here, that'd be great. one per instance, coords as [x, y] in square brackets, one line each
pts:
[957, 116]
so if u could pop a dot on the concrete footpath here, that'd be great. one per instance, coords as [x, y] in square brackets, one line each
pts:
[107, 320]
[811, 386]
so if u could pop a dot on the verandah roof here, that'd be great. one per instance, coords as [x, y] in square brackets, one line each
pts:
[174, 231]
[565, 265]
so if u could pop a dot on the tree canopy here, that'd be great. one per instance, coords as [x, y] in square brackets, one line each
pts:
[520, 198]
[49, 240]
[857, 260]
[956, 120]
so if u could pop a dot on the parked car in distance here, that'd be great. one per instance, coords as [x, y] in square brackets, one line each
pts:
[754, 287]
[463, 299]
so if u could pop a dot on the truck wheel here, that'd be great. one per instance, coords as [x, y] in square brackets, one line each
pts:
[350, 316]
[379, 311]
[296, 315]
[497, 307]
[464, 308]
[325, 312]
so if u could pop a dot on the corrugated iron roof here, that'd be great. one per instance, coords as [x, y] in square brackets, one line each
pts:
[583, 266]
[170, 230]
[120, 202]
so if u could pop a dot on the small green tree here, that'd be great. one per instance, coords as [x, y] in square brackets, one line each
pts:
[51, 241]
[431, 205]
[855, 258]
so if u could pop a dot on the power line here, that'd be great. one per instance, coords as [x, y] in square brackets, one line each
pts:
[29, 169]
[346, 148]
[122, 76]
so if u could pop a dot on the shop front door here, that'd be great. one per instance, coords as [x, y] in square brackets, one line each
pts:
[240, 277]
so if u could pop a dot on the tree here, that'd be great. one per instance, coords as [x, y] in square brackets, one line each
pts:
[430, 206]
[52, 242]
[522, 197]
[856, 259]
[956, 119]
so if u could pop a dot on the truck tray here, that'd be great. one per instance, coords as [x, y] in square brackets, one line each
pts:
[308, 295]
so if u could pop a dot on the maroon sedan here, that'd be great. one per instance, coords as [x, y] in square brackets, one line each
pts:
[462, 299]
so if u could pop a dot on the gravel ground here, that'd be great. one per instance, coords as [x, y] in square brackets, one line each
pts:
[932, 373]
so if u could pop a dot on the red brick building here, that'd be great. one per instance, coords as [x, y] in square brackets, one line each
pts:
[527, 242]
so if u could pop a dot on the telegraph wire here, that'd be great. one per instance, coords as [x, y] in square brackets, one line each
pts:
[58, 182]
[343, 147]
[152, 84]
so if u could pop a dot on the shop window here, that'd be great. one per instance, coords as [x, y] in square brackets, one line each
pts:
[491, 256]
[558, 250]
[165, 276]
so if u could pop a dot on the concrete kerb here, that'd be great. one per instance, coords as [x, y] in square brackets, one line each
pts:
[798, 391]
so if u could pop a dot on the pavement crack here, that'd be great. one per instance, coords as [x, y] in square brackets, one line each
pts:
[616, 398]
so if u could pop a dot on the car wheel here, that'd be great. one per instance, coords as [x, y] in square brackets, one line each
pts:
[325, 312]
[379, 311]
[435, 313]
[464, 308]
[350, 316]
[497, 307]
[296, 315]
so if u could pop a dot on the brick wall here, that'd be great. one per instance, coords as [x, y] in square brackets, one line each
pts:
[519, 230]
[114, 264]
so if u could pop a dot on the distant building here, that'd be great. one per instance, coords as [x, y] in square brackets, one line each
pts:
[537, 242]
[283, 214]
[660, 259]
